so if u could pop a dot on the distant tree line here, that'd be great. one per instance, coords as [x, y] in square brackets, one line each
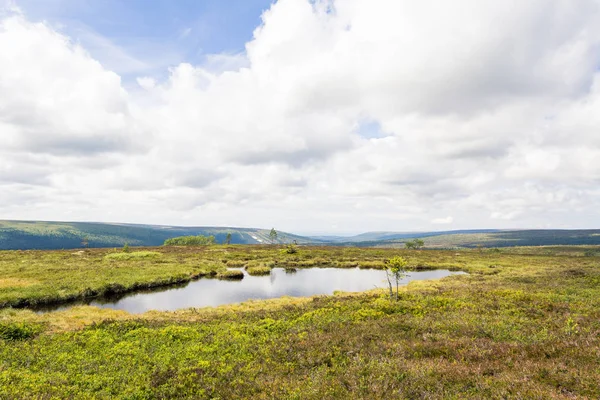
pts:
[414, 244]
[199, 240]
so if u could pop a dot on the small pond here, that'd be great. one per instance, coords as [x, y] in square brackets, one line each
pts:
[213, 292]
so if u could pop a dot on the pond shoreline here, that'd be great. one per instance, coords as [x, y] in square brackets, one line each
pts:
[116, 289]
[197, 293]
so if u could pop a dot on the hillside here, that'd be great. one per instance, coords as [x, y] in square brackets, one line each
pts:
[394, 236]
[457, 239]
[68, 235]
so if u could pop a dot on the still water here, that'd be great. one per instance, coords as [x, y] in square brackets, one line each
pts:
[213, 292]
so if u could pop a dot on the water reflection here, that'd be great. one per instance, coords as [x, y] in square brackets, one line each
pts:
[303, 282]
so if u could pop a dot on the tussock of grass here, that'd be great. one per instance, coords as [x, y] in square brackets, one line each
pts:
[230, 274]
[259, 270]
[236, 263]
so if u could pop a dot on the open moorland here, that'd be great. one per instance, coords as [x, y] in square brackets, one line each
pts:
[524, 323]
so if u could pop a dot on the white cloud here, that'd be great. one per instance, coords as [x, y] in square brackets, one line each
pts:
[442, 221]
[489, 116]
[55, 98]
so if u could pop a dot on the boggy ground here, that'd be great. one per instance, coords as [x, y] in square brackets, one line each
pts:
[524, 324]
[33, 278]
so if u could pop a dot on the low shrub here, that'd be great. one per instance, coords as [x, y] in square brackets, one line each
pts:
[290, 249]
[19, 330]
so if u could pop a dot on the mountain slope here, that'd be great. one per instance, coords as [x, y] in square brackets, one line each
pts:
[454, 239]
[394, 236]
[65, 235]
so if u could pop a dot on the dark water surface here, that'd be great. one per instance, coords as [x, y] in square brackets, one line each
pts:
[213, 292]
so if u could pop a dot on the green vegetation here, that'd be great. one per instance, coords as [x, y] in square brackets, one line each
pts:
[524, 324]
[43, 277]
[259, 270]
[395, 271]
[414, 244]
[273, 235]
[230, 274]
[473, 239]
[291, 248]
[128, 255]
[190, 241]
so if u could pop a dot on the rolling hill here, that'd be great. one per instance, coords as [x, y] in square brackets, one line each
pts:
[483, 238]
[67, 235]
[394, 236]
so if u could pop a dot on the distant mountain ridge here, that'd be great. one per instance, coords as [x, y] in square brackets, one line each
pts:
[478, 238]
[43, 235]
[385, 236]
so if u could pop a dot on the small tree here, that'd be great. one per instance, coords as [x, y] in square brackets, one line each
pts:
[273, 235]
[394, 272]
[85, 242]
[228, 238]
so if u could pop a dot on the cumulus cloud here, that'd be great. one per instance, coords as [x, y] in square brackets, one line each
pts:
[364, 115]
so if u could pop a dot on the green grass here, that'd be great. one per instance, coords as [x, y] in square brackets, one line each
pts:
[259, 270]
[132, 255]
[230, 274]
[522, 324]
[42, 277]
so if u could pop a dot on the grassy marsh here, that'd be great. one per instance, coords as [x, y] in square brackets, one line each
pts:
[523, 324]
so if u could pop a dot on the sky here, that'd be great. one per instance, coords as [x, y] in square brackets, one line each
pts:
[313, 117]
